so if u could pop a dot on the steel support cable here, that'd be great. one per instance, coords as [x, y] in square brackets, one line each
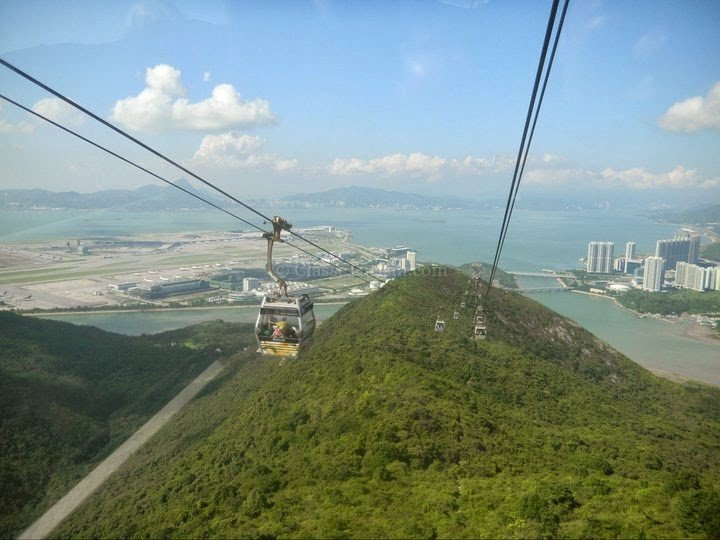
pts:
[113, 127]
[125, 134]
[210, 203]
[531, 107]
[537, 112]
[197, 177]
[151, 173]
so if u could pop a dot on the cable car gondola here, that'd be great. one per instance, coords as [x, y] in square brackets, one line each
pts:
[285, 323]
[439, 325]
[480, 332]
[456, 315]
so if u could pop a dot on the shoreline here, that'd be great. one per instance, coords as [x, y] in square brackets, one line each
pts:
[153, 310]
[699, 332]
[691, 330]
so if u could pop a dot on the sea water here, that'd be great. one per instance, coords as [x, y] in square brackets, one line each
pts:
[135, 323]
[536, 240]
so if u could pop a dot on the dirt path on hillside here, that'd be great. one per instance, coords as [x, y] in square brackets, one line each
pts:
[77, 495]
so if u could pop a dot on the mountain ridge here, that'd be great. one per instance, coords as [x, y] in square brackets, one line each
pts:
[148, 197]
[362, 197]
[385, 428]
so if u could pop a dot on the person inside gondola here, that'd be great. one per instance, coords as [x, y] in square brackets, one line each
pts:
[279, 331]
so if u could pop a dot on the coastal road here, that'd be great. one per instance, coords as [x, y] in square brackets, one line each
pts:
[88, 485]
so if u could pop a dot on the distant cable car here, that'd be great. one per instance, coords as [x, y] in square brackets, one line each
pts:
[462, 304]
[285, 323]
[439, 325]
[480, 332]
[456, 315]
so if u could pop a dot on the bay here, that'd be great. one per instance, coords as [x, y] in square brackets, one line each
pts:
[135, 323]
[536, 240]
[658, 345]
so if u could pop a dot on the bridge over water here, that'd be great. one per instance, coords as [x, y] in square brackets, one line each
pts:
[544, 289]
[541, 274]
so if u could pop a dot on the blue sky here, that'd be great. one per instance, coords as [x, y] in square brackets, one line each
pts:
[276, 97]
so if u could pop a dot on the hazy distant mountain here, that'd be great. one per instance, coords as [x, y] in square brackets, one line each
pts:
[365, 197]
[698, 216]
[149, 197]
[355, 196]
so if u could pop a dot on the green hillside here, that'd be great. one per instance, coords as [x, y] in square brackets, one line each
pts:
[385, 428]
[711, 252]
[71, 394]
[483, 270]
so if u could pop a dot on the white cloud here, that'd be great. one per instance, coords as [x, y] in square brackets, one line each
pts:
[639, 178]
[162, 106]
[416, 68]
[597, 22]
[465, 4]
[649, 43]
[236, 150]
[477, 166]
[635, 178]
[556, 176]
[59, 111]
[433, 168]
[542, 170]
[144, 13]
[10, 127]
[415, 164]
[695, 113]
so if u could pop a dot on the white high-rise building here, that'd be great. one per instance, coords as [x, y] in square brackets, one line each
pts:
[411, 257]
[715, 279]
[630, 251]
[600, 257]
[654, 273]
[680, 274]
[709, 279]
[697, 278]
[250, 284]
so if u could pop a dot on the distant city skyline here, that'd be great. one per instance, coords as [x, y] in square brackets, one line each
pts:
[677, 258]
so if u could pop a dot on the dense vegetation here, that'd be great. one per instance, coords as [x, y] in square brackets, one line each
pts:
[71, 394]
[711, 252]
[483, 270]
[384, 428]
[671, 302]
